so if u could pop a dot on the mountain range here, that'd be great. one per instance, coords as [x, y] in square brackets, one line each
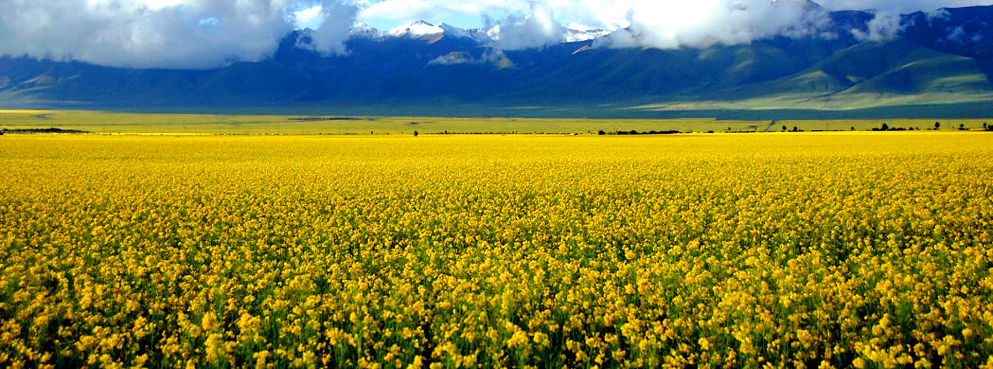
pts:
[935, 66]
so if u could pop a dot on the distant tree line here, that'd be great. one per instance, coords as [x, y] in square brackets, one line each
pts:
[316, 119]
[937, 126]
[41, 130]
[886, 127]
[635, 132]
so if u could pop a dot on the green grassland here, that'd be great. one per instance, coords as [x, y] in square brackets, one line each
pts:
[222, 124]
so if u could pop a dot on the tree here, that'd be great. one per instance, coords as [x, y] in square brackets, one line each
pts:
[795, 129]
[853, 128]
[601, 132]
[962, 127]
[784, 128]
[886, 127]
[415, 133]
[937, 125]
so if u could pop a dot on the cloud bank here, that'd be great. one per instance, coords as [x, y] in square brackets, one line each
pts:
[337, 21]
[198, 34]
[185, 34]
[412, 10]
[662, 24]
[702, 23]
[884, 26]
[537, 29]
[899, 6]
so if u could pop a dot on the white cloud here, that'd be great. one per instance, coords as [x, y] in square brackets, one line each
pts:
[151, 33]
[701, 23]
[156, 4]
[616, 13]
[337, 21]
[535, 30]
[211, 33]
[413, 10]
[654, 23]
[899, 6]
[884, 26]
[308, 17]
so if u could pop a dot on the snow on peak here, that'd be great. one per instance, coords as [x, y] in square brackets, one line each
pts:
[427, 31]
[363, 29]
[470, 33]
[416, 30]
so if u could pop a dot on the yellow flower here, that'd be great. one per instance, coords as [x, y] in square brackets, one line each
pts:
[209, 321]
[365, 251]
[213, 347]
[858, 363]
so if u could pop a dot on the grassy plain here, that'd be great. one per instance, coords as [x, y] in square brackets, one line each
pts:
[141, 123]
[827, 250]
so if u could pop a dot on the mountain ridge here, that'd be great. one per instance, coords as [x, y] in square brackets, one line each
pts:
[945, 58]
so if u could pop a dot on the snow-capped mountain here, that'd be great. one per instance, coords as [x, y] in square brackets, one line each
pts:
[932, 61]
[426, 31]
[477, 34]
[364, 30]
[423, 30]
[416, 29]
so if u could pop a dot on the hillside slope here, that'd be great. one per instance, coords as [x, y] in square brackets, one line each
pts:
[935, 60]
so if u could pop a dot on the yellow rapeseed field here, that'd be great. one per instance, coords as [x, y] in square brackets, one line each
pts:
[865, 250]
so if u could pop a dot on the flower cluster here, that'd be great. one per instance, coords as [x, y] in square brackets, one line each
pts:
[820, 250]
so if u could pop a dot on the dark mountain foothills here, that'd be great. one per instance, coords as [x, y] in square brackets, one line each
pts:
[938, 65]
